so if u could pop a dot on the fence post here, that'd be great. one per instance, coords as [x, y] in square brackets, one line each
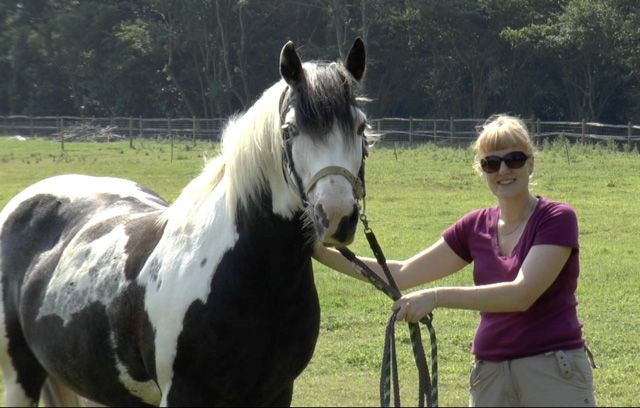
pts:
[193, 128]
[629, 130]
[112, 125]
[451, 129]
[59, 126]
[31, 126]
[140, 127]
[5, 131]
[131, 132]
[582, 131]
[435, 130]
[170, 137]
[410, 130]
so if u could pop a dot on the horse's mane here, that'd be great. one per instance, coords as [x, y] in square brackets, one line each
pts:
[252, 146]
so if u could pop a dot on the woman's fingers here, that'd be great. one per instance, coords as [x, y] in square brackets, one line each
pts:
[405, 310]
[414, 306]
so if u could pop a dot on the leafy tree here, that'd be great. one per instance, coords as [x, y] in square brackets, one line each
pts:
[585, 39]
[554, 59]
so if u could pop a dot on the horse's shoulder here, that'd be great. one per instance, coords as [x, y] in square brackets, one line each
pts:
[143, 233]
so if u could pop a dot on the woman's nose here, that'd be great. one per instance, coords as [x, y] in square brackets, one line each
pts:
[503, 167]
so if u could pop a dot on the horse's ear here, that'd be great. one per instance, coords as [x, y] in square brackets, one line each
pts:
[290, 65]
[357, 59]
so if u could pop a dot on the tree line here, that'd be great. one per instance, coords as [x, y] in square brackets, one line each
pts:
[549, 59]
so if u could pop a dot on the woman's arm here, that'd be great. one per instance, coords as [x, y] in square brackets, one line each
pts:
[433, 263]
[540, 268]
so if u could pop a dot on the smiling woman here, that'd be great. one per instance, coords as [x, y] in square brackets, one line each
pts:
[528, 346]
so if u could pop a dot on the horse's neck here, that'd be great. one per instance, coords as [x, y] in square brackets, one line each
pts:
[273, 236]
[194, 213]
[249, 169]
[253, 154]
[283, 244]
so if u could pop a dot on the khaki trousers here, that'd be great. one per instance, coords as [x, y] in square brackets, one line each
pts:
[561, 378]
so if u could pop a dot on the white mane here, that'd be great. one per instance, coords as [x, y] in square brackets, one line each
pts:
[249, 162]
[252, 148]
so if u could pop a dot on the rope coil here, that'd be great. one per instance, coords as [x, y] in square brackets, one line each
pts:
[427, 386]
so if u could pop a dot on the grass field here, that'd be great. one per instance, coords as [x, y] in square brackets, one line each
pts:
[413, 194]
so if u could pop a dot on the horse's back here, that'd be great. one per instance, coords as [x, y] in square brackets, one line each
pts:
[63, 262]
[49, 215]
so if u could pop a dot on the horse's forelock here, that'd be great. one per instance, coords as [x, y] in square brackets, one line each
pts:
[328, 95]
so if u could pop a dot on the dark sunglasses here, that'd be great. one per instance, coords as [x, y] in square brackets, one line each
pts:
[513, 160]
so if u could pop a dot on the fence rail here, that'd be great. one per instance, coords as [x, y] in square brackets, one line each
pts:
[402, 130]
[413, 130]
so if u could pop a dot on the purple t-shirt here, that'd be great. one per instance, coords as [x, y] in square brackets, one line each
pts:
[551, 323]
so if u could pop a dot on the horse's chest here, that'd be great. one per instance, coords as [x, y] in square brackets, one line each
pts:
[254, 334]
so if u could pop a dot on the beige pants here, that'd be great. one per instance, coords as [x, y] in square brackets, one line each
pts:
[561, 378]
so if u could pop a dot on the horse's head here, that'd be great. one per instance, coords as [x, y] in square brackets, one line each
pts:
[323, 131]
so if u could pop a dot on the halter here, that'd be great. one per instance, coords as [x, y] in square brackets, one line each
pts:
[289, 172]
[427, 385]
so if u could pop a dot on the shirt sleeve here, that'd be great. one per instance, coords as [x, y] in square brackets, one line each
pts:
[457, 236]
[559, 226]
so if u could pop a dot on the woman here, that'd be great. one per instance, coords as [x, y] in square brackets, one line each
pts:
[528, 347]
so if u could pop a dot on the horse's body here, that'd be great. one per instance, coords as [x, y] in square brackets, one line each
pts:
[210, 301]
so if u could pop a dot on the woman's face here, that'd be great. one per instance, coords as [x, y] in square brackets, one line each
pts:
[504, 181]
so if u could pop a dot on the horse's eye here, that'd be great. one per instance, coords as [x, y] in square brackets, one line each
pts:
[291, 129]
[361, 128]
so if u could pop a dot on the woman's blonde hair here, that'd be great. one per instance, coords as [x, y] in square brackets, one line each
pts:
[501, 132]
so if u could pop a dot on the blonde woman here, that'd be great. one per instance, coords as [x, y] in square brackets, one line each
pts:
[528, 346]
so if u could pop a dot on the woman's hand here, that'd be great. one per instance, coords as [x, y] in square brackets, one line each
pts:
[415, 306]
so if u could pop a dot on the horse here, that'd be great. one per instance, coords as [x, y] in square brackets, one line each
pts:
[124, 299]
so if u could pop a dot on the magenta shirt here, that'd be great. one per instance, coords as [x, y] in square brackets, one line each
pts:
[551, 323]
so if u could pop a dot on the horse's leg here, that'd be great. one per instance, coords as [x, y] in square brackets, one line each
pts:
[22, 374]
[55, 394]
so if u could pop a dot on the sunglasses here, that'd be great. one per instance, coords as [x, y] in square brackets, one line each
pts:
[513, 160]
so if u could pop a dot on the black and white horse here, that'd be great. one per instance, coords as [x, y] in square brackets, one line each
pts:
[126, 300]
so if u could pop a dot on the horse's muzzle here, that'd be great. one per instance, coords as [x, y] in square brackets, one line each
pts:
[333, 229]
[347, 228]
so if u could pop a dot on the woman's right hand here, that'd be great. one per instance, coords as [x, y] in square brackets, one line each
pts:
[416, 305]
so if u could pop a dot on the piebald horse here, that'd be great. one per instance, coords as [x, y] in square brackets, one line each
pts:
[123, 299]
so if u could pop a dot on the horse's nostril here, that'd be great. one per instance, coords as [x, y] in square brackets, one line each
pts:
[321, 216]
[354, 215]
[347, 226]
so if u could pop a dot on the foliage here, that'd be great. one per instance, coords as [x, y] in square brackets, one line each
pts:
[553, 59]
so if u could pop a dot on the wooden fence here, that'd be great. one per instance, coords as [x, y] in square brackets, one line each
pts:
[464, 131]
[394, 130]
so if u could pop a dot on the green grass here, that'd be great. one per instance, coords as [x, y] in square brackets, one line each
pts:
[413, 194]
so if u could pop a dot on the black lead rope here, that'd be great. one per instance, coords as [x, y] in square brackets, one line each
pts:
[428, 387]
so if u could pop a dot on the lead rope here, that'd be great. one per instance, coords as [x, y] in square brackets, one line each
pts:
[427, 387]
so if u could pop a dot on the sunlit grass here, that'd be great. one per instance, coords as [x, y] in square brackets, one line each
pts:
[413, 194]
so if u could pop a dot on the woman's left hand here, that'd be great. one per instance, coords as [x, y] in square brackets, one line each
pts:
[414, 306]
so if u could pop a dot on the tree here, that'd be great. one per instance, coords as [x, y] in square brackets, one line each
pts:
[554, 59]
[585, 39]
